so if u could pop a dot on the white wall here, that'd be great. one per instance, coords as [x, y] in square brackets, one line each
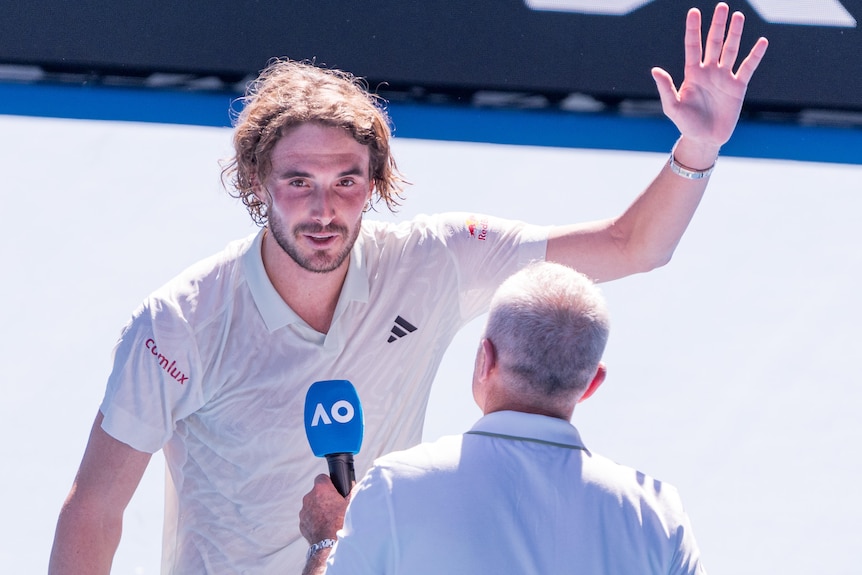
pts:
[733, 370]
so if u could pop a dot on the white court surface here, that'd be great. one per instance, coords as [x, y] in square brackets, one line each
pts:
[733, 371]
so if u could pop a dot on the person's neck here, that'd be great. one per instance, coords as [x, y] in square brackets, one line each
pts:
[559, 412]
[312, 295]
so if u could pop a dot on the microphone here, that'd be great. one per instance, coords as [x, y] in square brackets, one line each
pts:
[334, 425]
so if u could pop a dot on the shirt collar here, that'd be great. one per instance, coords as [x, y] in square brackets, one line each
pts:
[274, 311]
[530, 427]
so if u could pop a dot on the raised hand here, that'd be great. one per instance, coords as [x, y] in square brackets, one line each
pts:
[706, 107]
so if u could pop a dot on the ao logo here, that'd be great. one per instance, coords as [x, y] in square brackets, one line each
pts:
[342, 411]
[819, 13]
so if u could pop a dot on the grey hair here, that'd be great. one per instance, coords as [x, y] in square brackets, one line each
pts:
[549, 325]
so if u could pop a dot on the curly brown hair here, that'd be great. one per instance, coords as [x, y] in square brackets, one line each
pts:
[288, 93]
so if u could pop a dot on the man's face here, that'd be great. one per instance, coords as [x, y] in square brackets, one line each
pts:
[318, 188]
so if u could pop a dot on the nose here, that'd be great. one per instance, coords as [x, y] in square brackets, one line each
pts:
[323, 207]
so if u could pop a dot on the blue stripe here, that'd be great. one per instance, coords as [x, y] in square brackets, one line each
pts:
[121, 104]
[443, 122]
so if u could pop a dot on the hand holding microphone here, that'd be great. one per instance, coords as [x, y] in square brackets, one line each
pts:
[334, 425]
[322, 513]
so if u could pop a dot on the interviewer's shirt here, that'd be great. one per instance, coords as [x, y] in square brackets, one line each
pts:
[518, 494]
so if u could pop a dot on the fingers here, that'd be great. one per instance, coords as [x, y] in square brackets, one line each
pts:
[693, 48]
[322, 486]
[719, 49]
[752, 61]
[731, 44]
[322, 510]
[715, 37]
[322, 480]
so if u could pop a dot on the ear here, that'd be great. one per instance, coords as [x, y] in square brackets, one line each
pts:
[598, 379]
[258, 190]
[487, 358]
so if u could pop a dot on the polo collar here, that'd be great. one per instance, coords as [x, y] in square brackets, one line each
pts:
[275, 312]
[517, 425]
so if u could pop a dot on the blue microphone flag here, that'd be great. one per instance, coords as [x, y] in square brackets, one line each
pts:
[334, 422]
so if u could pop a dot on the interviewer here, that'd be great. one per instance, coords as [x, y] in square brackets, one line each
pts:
[520, 492]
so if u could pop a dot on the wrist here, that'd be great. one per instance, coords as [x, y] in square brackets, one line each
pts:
[320, 545]
[695, 155]
[686, 172]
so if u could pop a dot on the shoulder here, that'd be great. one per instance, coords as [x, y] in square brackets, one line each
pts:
[204, 285]
[629, 484]
[438, 457]
[421, 240]
[455, 230]
[422, 224]
[197, 297]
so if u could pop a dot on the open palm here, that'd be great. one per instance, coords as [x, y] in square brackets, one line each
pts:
[706, 107]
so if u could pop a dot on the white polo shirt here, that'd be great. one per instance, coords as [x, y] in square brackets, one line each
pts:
[214, 366]
[519, 493]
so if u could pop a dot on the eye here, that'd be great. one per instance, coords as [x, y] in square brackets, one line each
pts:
[346, 182]
[298, 183]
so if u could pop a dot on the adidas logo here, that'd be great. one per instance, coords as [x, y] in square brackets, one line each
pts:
[401, 328]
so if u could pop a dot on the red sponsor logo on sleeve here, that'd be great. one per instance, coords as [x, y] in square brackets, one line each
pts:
[477, 229]
[168, 365]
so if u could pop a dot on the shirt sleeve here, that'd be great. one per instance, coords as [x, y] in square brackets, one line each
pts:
[155, 379]
[686, 557]
[486, 250]
[368, 542]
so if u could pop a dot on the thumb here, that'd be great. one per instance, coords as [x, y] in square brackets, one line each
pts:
[666, 90]
[322, 479]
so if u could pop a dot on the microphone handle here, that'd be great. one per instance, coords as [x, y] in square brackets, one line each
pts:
[341, 471]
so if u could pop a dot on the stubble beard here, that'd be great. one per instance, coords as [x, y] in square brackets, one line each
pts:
[319, 261]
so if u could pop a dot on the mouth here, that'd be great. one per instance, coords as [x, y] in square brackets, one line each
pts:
[319, 238]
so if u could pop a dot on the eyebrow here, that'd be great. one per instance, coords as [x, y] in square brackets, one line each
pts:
[353, 171]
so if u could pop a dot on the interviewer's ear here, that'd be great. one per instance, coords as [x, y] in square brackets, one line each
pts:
[598, 379]
[489, 357]
[485, 360]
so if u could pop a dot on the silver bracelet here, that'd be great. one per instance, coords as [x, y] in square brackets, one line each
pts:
[686, 172]
[318, 546]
